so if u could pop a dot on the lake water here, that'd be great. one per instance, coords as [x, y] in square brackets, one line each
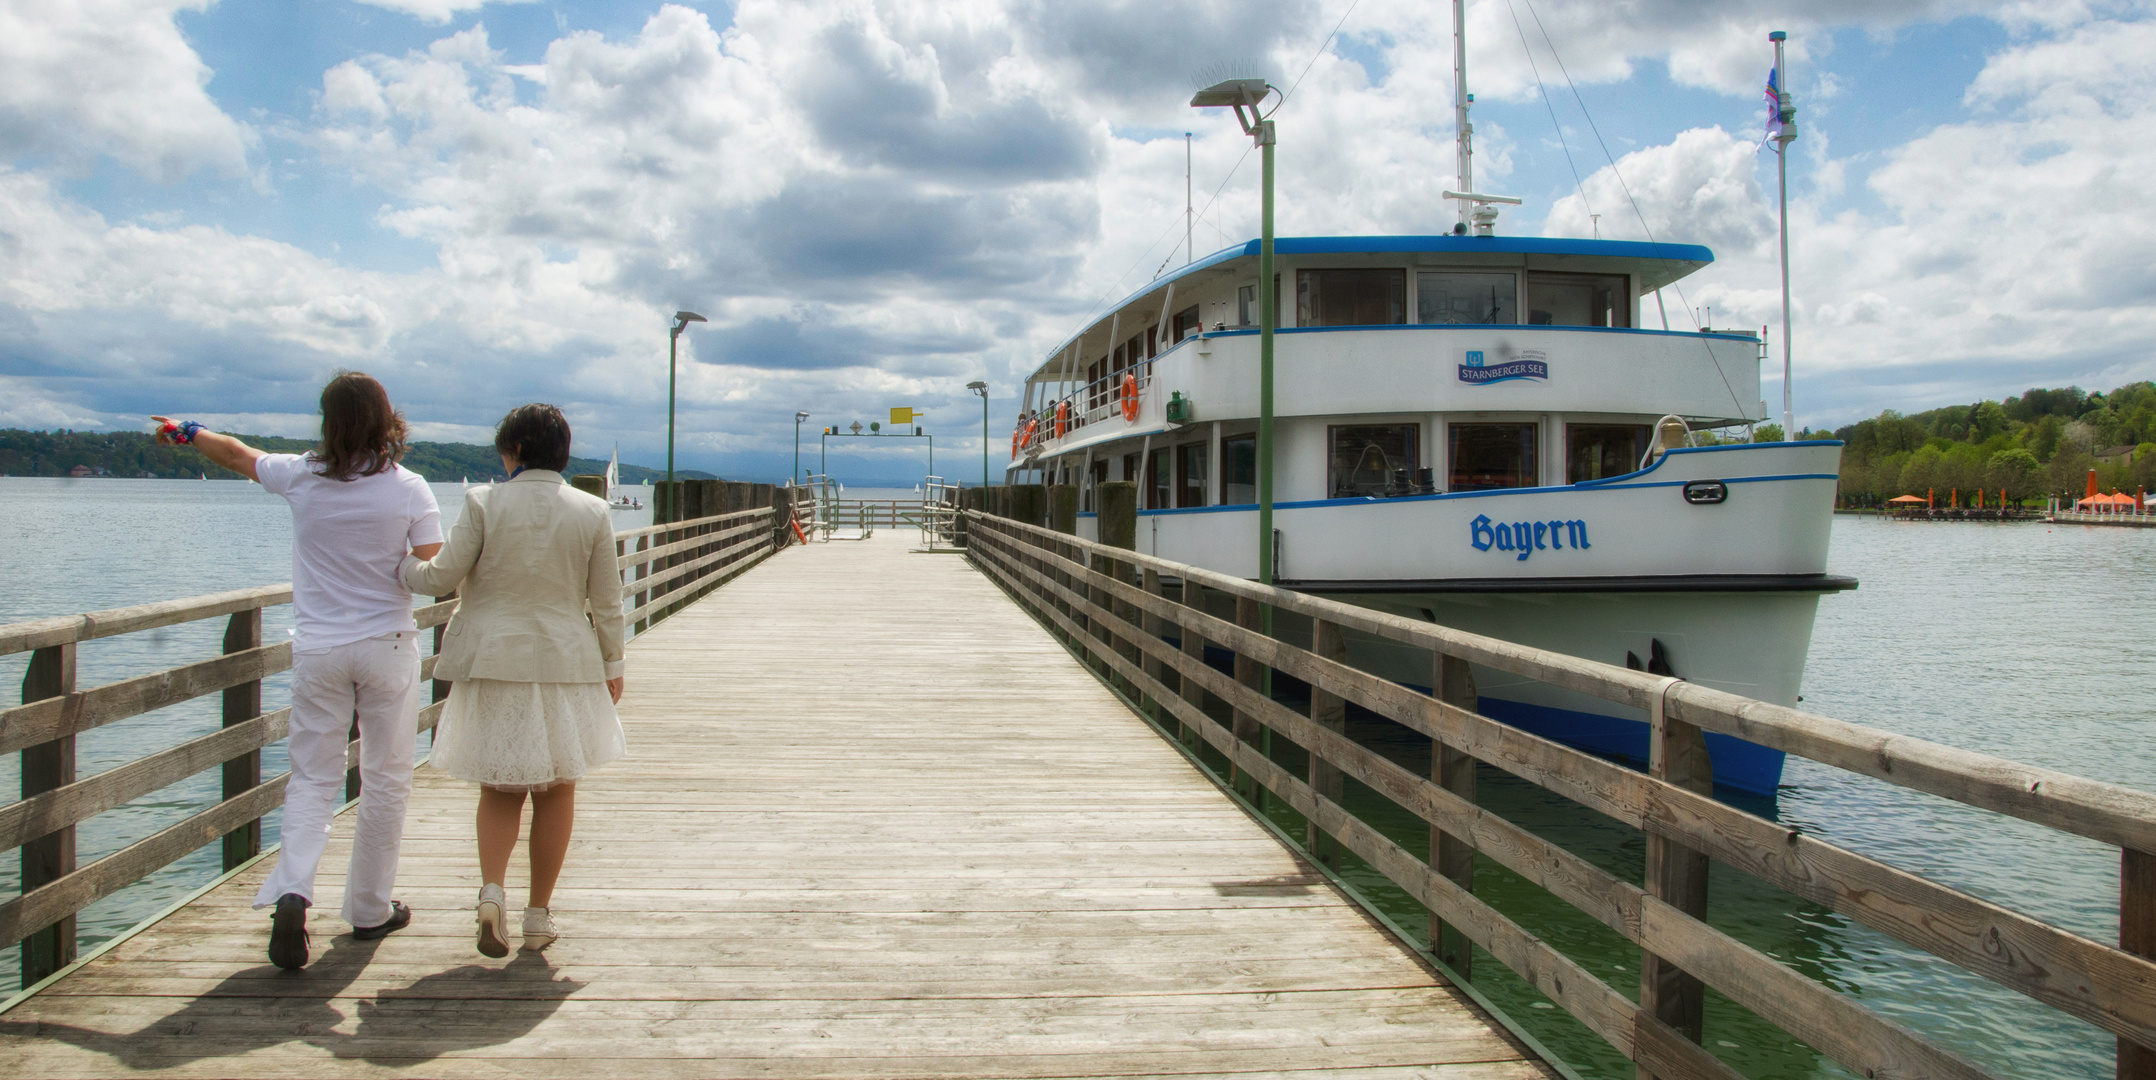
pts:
[2016, 640]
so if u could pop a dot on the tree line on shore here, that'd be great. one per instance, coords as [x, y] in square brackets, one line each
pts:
[135, 454]
[2040, 443]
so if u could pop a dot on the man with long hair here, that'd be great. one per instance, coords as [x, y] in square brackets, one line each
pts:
[355, 652]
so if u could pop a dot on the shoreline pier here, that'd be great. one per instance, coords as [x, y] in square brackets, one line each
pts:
[888, 815]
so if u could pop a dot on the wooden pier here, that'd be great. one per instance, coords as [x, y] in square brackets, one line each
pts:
[874, 822]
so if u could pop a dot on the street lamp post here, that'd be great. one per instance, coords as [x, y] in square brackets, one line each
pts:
[1242, 94]
[795, 478]
[981, 388]
[682, 319]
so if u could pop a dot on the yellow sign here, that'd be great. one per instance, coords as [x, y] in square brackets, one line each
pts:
[902, 416]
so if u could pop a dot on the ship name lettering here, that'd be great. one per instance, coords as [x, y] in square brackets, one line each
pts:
[1526, 537]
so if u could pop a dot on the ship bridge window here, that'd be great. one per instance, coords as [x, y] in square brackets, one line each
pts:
[1488, 456]
[1350, 297]
[1187, 323]
[1190, 474]
[1480, 299]
[1371, 459]
[1600, 451]
[1239, 470]
[1578, 300]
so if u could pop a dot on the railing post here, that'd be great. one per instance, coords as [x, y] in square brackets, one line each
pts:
[44, 767]
[243, 703]
[643, 570]
[1328, 711]
[440, 690]
[1249, 615]
[1676, 874]
[1194, 648]
[1454, 771]
[2137, 935]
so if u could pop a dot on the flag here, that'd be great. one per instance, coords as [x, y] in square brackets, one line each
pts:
[1774, 105]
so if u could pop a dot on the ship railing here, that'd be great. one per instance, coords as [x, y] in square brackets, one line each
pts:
[665, 568]
[1144, 625]
[1093, 402]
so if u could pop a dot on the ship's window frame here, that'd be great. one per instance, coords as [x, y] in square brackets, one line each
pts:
[1423, 312]
[1159, 486]
[1190, 468]
[1234, 447]
[1616, 314]
[1623, 461]
[1188, 322]
[1345, 474]
[1526, 435]
[1311, 288]
[1246, 304]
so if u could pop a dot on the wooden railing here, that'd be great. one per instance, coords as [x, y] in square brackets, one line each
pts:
[1112, 606]
[672, 565]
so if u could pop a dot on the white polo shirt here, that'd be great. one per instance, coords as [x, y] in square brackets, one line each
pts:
[348, 539]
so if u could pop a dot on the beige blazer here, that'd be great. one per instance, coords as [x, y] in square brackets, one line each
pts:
[542, 594]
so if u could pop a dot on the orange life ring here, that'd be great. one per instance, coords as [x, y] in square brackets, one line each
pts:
[1130, 397]
[1018, 437]
[1063, 417]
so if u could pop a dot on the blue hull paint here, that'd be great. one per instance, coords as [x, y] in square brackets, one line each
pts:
[1746, 766]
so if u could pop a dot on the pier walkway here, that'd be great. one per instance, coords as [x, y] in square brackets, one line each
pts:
[850, 840]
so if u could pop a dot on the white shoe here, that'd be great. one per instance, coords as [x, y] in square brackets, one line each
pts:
[539, 930]
[491, 902]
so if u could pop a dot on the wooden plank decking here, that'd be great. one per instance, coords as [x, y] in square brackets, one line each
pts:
[874, 822]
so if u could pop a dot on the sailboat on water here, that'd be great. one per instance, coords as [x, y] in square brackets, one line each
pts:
[613, 482]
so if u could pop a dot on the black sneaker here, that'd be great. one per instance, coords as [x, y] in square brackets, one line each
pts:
[399, 918]
[288, 932]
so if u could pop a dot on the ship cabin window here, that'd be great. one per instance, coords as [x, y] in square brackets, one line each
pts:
[1158, 492]
[1600, 451]
[1246, 306]
[1190, 474]
[1350, 297]
[1130, 468]
[1578, 300]
[1187, 323]
[1459, 298]
[1486, 456]
[1372, 459]
[1239, 470]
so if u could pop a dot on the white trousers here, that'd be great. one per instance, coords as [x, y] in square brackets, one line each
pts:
[378, 680]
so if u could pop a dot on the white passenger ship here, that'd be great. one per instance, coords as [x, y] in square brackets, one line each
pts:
[1467, 433]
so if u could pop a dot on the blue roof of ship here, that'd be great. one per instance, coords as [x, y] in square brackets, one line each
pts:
[1443, 243]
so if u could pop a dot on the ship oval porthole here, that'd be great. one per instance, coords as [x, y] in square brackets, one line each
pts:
[1705, 492]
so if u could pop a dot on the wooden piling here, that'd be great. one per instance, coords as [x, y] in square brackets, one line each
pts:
[1676, 875]
[46, 766]
[589, 484]
[1328, 711]
[1453, 770]
[2137, 935]
[243, 631]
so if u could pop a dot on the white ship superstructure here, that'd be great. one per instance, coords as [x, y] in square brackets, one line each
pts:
[1469, 429]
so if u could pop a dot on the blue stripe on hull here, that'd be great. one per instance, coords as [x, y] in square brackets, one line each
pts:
[1746, 766]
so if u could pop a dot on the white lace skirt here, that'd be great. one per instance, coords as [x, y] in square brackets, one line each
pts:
[525, 736]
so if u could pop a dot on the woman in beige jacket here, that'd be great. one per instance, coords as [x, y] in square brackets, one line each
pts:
[535, 656]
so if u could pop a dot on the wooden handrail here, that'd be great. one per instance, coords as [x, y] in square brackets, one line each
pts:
[65, 629]
[1060, 578]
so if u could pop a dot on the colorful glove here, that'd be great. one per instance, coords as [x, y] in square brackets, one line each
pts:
[182, 432]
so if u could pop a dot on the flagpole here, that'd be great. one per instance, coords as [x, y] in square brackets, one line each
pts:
[1785, 133]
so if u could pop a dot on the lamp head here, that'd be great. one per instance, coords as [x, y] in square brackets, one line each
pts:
[1229, 93]
[683, 318]
[978, 387]
[800, 416]
[1777, 36]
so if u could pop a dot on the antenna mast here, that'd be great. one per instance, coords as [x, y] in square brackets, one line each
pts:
[1460, 101]
[1190, 252]
[1785, 124]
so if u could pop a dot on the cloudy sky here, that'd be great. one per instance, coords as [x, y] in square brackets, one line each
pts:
[206, 206]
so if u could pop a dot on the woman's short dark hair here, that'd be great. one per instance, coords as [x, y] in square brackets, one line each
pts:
[362, 434]
[537, 436]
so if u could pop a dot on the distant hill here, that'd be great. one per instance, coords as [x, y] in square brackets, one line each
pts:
[136, 454]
